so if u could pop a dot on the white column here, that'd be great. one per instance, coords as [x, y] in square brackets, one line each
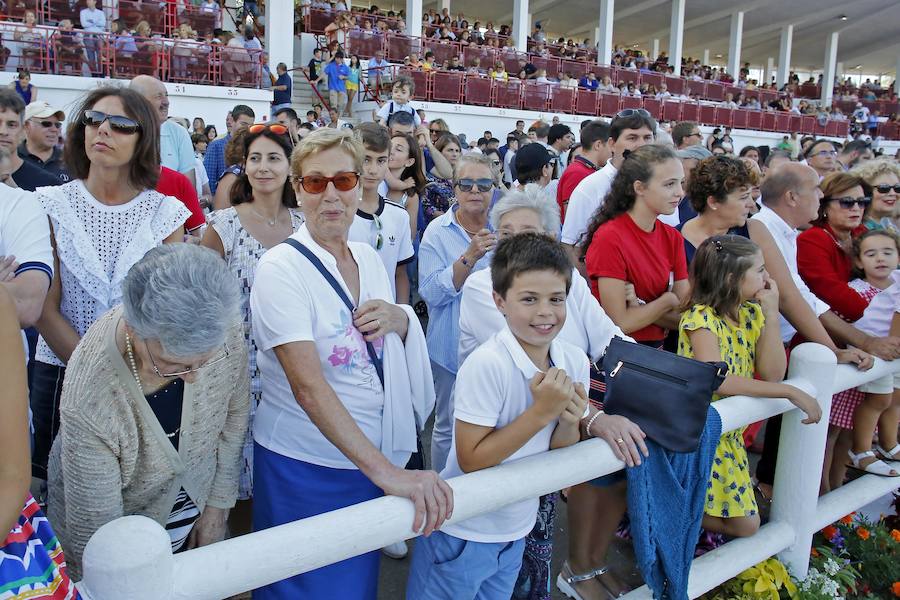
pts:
[839, 72]
[521, 24]
[676, 35]
[605, 40]
[770, 70]
[831, 47]
[705, 56]
[784, 55]
[445, 4]
[413, 18]
[734, 44]
[280, 34]
[654, 48]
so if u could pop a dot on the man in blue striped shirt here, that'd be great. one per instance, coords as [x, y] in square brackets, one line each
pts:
[214, 160]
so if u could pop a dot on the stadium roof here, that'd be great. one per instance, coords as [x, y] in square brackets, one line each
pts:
[868, 34]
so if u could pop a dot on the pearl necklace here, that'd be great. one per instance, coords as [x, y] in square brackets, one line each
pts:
[137, 378]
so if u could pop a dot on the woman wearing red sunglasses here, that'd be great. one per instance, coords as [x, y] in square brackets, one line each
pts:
[345, 376]
[262, 214]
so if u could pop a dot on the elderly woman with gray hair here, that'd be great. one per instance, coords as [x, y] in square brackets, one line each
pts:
[594, 508]
[154, 409]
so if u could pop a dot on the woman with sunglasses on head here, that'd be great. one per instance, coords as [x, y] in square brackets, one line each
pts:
[154, 411]
[345, 376]
[102, 222]
[262, 214]
[881, 181]
[453, 246]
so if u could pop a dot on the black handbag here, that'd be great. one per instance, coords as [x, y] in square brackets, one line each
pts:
[666, 395]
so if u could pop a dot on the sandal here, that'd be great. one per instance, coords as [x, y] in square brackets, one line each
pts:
[892, 455]
[876, 467]
[566, 579]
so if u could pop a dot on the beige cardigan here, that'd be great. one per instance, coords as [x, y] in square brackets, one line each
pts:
[112, 458]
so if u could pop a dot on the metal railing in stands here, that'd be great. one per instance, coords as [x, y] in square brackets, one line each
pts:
[131, 557]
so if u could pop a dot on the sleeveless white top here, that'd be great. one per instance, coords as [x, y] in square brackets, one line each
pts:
[97, 245]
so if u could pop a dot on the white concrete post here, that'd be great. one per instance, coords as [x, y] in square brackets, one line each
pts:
[706, 56]
[445, 4]
[801, 451]
[676, 35]
[280, 34]
[521, 24]
[831, 47]
[770, 70]
[605, 39]
[654, 48]
[734, 44]
[414, 18]
[130, 557]
[839, 72]
[784, 55]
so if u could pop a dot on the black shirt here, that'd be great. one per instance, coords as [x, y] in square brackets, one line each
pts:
[29, 177]
[529, 69]
[314, 65]
[54, 165]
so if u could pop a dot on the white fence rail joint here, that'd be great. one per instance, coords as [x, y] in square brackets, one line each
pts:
[131, 557]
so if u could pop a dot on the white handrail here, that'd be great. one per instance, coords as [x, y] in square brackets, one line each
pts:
[130, 557]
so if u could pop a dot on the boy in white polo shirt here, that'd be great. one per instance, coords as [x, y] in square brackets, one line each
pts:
[520, 393]
[379, 222]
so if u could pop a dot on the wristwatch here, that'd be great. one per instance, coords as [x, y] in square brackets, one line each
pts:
[465, 262]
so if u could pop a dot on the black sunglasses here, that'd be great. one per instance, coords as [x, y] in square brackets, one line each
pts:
[848, 202]
[95, 118]
[48, 124]
[483, 185]
[886, 189]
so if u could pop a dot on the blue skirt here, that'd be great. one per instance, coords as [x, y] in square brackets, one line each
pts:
[286, 490]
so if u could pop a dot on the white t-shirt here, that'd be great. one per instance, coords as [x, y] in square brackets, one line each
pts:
[586, 327]
[390, 107]
[586, 198]
[492, 391]
[396, 245]
[292, 302]
[877, 317]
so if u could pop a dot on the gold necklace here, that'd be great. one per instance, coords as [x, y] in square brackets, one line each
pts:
[137, 378]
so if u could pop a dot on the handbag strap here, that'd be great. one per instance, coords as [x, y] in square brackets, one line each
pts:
[376, 362]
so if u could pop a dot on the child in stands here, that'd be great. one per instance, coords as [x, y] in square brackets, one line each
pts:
[401, 92]
[520, 393]
[876, 258]
[732, 316]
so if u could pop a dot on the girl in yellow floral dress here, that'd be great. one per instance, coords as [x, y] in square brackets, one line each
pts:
[732, 316]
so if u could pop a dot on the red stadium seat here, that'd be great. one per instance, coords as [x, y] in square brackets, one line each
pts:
[754, 119]
[628, 76]
[739, 118]
[478, 91]
[442, 51]
[808, 124]
[447, 86]
[485, 55]
[508, 94]
[586, 102]
[610, 104]
[783, 121]
[631, 102]
[831, 128]
[676, 85]
[536, 96]
[562, 100]
[796, 123]
[654, 79]
[192, 63]
[551, 65]
[602, 71]
[317, 20]
[715, 91]
[697, 87]
[707, 114]
[690, 111]
[652, 106]
[511, 61]
[671, 110]
[768, 121]
[15, 9]
[421, 81]
[820, 129]
[400, 46]
[53, 10]
[575, 68]
[364, 43]
[724, 116]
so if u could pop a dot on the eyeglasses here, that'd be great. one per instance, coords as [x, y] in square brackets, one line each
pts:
[629, 112]
[886, 189]
[849, 203]
[316, 184]
[95, 118]
[467, 185]
[208, 363]
[48, 124]
[379, 239]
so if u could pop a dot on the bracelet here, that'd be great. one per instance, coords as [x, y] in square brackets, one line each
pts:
[465, 262]
[587, 428]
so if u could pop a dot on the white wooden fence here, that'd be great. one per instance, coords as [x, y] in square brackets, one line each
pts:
[131, 557]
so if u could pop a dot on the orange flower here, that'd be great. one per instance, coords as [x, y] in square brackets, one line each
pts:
[814, 553]
[848, 519]
[863, 533]
[896, 589]
[829, 532]
[896, 535]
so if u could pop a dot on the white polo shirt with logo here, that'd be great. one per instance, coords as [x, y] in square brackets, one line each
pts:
[396, 242]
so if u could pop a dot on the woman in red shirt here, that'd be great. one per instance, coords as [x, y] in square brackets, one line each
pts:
[636, 263]
[823, 250]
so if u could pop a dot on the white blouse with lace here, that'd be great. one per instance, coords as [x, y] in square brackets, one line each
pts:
[97, 244]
